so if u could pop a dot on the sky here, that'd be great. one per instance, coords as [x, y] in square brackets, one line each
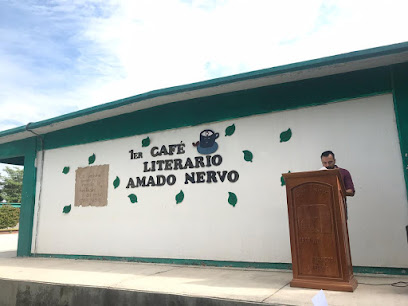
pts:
[58, 57]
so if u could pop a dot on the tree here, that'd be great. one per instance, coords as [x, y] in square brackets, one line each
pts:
[11, 184]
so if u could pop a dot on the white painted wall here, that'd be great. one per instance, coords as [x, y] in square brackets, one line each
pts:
[361, 132]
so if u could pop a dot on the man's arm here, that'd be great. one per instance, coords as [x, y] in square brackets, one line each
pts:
[348, 184]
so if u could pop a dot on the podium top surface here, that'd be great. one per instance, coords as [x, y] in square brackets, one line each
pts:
[313, 173]
[317, 173]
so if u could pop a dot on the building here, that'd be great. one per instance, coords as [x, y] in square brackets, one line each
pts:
[193, 174]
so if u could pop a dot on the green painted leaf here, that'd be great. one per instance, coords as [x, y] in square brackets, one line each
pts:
[91, 159]
[67, 209]
[285, 135]
[146, 142]
[133, 198]
[283, 180]
[232, 199]
[65, 170]
[230, 130]
[248, 155]
[116, 182]
[180, 197]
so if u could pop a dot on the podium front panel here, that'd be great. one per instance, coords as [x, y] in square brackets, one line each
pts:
[315, 230]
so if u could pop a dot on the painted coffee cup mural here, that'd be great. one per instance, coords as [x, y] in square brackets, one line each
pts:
[207, 143]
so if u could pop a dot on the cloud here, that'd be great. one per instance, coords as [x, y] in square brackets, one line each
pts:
[46, 60]
[62, 56]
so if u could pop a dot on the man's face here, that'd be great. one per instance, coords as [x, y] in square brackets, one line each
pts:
[328, 161]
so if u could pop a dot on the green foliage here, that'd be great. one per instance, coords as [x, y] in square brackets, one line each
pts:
[11, 185]
[9, 216]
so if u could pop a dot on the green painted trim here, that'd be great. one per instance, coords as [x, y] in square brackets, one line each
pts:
[227, 106]
[317, 63]
[19, 161]
[218, 263]
[380, 270]
[16, 149]
[400, 94]
[171, 261]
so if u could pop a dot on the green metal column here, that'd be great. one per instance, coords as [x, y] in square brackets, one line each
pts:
[400, 93]
[27, 201]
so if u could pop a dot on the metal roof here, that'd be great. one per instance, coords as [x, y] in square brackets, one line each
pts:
[353, 61]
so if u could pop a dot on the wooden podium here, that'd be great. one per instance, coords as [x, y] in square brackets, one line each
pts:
[318, 231]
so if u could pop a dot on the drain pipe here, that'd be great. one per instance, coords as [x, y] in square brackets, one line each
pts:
[41, 180]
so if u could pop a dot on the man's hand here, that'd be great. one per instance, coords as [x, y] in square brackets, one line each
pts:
[350, 192]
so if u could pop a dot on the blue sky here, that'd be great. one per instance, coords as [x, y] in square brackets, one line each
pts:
[61, 56]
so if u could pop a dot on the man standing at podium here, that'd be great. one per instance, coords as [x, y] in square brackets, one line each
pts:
[329, 162]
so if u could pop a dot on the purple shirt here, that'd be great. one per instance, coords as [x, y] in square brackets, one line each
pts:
[347, 180]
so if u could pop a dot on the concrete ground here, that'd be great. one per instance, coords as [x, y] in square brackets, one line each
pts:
[228, 286]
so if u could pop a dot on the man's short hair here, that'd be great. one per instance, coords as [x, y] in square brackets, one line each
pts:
[326, 154]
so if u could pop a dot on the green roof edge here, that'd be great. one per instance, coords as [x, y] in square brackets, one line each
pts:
[315, 63]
